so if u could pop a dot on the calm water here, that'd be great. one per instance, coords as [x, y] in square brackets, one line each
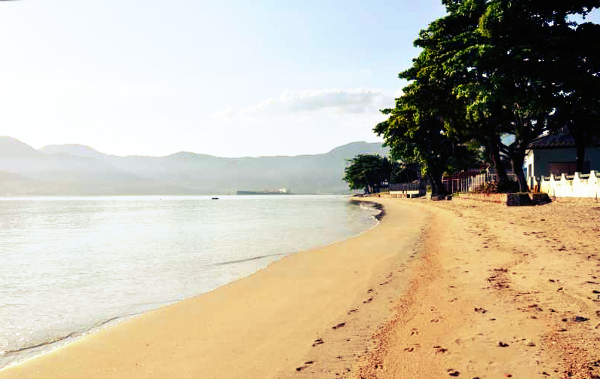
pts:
[69, 265]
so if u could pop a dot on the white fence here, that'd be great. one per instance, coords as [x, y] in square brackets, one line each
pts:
[577, 185]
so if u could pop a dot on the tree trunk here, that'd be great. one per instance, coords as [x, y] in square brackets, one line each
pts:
[496, 160]
[580, 158]
[432, 183]
[517, 160]
[441, 189]
[436, 181]
[582, 140]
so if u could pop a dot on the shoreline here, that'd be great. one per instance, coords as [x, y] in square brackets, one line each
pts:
[28, 353]
[16, 370]
[458, 288]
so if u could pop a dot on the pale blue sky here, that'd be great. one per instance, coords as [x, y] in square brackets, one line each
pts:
[224, 78]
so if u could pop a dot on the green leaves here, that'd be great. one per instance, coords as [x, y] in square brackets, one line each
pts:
[496, 67]
[368, 172]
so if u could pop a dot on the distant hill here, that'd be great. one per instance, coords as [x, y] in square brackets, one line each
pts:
[81, 170]
[75, 150]
[10, 147]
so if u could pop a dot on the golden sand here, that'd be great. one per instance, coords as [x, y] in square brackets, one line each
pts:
[442, 289]
[262, 326]
[501, 292]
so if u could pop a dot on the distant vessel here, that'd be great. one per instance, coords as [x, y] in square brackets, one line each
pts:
[281, 191]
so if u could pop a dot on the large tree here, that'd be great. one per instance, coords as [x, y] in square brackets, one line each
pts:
[424, 124]
[577, 82]
[449, 71]
[492, 68]
[521, 69]
[544, 69]
[368, 171]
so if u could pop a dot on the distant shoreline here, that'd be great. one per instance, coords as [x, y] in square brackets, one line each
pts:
[162, 195]
[80, 170]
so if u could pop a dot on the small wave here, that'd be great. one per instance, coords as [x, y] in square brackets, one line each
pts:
[102, 323]
[249, 259]
[41, 344]
[76, 334]
[372, 206]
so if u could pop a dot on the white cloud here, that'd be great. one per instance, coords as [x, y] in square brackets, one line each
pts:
[339, 101]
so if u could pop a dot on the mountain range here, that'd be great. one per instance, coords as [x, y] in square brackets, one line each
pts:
[81, 170]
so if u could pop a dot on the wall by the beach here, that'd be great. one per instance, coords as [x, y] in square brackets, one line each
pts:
[578, 185]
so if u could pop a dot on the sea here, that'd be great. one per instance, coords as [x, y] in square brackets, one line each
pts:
[70, 266]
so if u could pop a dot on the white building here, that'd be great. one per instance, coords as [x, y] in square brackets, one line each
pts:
[556, 154]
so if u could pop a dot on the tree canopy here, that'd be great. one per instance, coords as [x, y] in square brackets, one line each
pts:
[368, 171]
[495, 68]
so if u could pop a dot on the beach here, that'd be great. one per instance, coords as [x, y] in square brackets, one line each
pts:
[262, 326]
[500, 292]
[438, 289]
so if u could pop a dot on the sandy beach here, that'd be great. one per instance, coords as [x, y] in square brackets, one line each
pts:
[437, 289]
[319, 306]
[500, 292]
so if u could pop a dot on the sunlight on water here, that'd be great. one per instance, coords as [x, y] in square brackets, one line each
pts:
[71, 264]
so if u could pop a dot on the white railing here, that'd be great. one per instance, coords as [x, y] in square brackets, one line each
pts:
[577, 185]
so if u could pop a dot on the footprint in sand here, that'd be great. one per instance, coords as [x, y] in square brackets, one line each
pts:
[340, 325]
[318, 342]
[580, 319]
[412, 348]
[306, 365]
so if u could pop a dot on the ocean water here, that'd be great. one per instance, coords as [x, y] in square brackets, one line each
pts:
[72, 265]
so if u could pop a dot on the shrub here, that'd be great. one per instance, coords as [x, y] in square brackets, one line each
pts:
[507, 186]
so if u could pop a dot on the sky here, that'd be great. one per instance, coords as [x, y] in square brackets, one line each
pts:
[225, 78]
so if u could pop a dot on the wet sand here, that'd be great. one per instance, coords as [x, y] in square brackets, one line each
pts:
[309, 314]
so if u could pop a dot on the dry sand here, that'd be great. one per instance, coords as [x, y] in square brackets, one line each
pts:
[308, 314]
[438, 289]
[501, 292]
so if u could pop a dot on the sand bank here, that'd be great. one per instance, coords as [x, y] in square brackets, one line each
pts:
[309, 314]
[500, 292]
